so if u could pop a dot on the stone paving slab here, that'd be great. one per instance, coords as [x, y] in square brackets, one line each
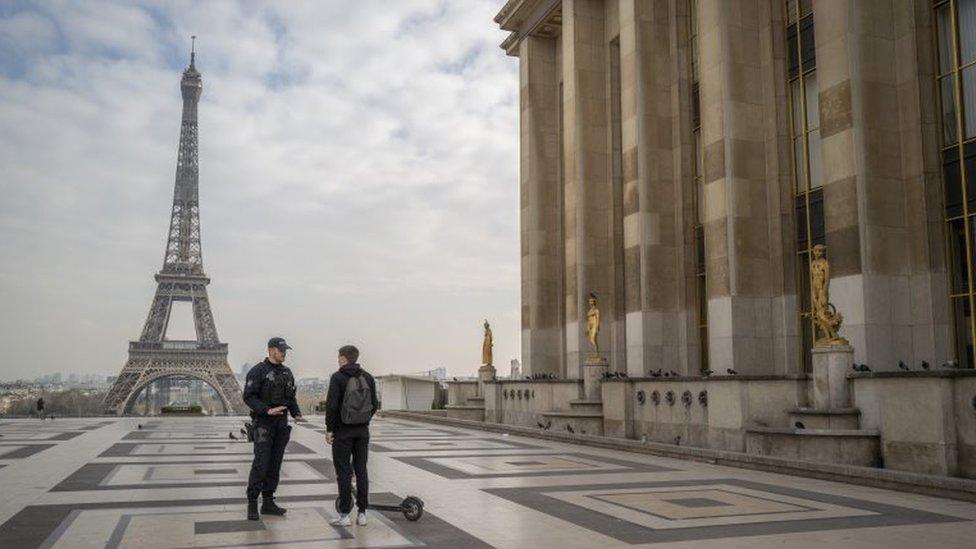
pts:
[152, 482]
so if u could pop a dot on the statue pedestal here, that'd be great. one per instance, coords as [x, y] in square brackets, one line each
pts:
[485, 373]
[593, 372]
[830, 368]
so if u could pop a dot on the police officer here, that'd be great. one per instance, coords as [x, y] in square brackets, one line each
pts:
[270, 394]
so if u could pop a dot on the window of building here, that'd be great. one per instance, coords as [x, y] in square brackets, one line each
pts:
[698, 193]
[804, 109]
[955, 30]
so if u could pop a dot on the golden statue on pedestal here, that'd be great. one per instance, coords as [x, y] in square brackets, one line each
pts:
[593, 325]
[825, 317]
[486, 346]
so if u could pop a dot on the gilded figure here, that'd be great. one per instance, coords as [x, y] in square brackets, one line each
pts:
[825, 317]
[593, 325]
[486, 345]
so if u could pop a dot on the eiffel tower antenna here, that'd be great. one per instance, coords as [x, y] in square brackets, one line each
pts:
[181, 279]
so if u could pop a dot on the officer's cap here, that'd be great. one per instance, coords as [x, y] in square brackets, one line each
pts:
[278, 343]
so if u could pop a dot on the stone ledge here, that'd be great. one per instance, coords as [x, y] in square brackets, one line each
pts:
[967, 372]
[825, 411]
[513, 381]
[715, 377]
[933, 485]
[578, 413]
[815, 432]
[462, 407]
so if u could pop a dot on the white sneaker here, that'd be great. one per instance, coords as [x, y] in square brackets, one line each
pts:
[361, 519]
[342, 520]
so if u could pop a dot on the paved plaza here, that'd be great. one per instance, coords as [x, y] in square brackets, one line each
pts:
[104, 482]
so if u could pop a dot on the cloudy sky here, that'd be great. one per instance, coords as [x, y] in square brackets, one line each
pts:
[358, 179]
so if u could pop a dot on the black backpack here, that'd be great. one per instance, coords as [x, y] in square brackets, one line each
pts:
[357, 402]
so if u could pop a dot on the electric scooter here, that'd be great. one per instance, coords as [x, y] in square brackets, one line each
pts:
[412, 508]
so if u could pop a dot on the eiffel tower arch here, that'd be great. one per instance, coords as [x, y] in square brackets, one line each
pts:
[153, 356]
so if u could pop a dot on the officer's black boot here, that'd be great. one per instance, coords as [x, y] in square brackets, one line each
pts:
[252, 509]
[269, 507]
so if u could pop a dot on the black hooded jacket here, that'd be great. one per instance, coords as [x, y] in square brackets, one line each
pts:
[333, 402]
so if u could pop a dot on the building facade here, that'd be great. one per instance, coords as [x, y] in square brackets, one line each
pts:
[680, 159]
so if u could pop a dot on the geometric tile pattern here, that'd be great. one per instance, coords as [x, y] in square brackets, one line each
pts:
[179, 482]
[654, 512]
[524, 465]
[441, 444]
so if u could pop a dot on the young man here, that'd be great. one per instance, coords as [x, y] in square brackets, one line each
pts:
[270, 394]
[349, 407]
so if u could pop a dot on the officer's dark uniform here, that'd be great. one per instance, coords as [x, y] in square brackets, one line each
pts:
[269, 385]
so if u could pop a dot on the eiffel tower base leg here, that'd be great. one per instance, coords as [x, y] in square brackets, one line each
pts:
[148, 365]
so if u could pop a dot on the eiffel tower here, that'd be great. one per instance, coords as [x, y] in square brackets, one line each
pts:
[154, 357]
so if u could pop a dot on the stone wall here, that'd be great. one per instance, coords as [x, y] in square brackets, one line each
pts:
[537, 397]
[927, 420]
[705, 412]
[458, 392]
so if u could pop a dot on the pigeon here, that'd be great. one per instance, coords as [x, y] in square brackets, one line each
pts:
[541, 426]
[677, 440]
[667, 374]
[243, 432]
[231, 435]
[139, 425]
[731, 372]
[706, 373]
[925, 365]
[903, 366]
[854, 367]
[950, 365]
[548, 425]
[674, 374]
[570, 428]
[454, 378]
[799, 425]
[862, 368]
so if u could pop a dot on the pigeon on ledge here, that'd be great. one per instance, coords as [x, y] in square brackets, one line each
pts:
[903, 366]
[799, 425]
[231, 435]
[731, 372]
[570, 428]
[925, 365]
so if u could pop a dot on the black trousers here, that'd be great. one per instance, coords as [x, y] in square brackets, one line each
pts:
[270, 439]
[356, 448]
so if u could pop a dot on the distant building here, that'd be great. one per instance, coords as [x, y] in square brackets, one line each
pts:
[406, 392]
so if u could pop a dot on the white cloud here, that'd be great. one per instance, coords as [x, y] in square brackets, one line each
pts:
[358, 178]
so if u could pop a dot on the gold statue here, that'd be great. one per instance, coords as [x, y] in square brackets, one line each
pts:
[486, 346]
[826, 319]
[593, 325]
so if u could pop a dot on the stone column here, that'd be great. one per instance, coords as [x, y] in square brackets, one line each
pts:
[587, 189]
[652, 193]
[882, 196]
[737, 202]
[540, 202]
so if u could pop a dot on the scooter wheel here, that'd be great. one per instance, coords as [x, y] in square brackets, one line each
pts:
[413, 508]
